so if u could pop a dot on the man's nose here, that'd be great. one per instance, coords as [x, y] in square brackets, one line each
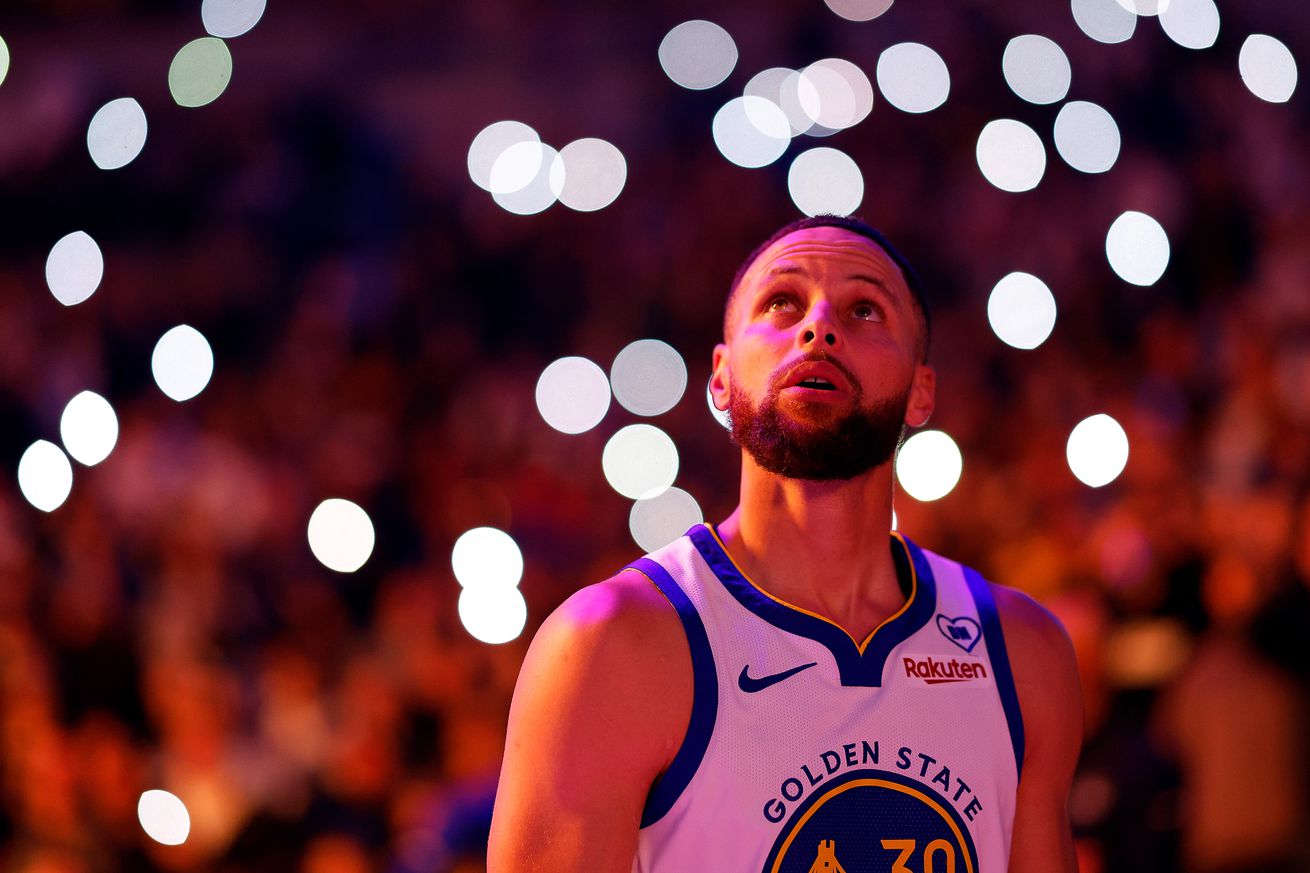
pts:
[819, 329]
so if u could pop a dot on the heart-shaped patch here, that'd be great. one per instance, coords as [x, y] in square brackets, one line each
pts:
[961, 630]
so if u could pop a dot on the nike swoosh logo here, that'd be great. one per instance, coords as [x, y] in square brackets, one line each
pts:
[751, 685]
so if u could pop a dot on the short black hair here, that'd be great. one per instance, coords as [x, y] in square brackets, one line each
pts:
[854, 224]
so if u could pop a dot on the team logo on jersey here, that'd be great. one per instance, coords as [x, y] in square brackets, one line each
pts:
[873, 821]
[962, 630]
[934, 670]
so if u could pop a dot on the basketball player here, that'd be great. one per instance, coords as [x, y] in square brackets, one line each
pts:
[795, 689]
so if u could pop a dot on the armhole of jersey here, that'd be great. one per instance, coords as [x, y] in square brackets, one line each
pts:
[705, 697]
[991, 627]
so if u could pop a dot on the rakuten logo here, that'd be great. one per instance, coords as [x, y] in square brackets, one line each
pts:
[934, 671]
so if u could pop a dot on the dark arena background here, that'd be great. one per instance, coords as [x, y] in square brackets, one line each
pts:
[340, 342]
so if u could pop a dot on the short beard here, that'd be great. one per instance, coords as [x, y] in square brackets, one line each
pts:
[845, 448]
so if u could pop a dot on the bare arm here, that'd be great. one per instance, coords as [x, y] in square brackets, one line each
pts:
[1046, 679]
[602, 704]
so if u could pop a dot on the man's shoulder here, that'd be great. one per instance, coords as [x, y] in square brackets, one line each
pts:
[1031, 630]
[622, 615]
[1045, 670]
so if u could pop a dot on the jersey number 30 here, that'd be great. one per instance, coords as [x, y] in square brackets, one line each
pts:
[930, 854]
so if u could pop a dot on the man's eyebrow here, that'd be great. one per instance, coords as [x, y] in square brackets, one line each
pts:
[784, 270]
[872, 280]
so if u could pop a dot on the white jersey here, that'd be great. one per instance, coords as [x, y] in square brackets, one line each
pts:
[809, 751]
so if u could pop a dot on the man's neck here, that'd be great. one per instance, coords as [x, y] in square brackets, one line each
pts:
[822, 546]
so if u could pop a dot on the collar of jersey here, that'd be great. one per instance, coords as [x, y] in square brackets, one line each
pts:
[858, 663]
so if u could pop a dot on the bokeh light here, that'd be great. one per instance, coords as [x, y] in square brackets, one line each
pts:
[341, 535]
[4, 60]
[751, 131]
[1097, 450]
[588, 174]
[825, 181]
[116, 134]
[649, 377]
[913, 77]
[493, 614]
[1192, 24]
[720, 415]
[640, 461]
[844, 94]
[859, 10]
[229, 18]
[520, 178]
[486, 557]
[490, 143]
[517, 166]
[1087, 137]
[698, 54]
[1267, 68]
[656, 522]
[573, 394]
[1036, 69]
[89, 428]
[1011, 155]
[200, 72]
[1021, 310]
[74, 268]
[928, 465]
[1144, 8]
[45, 475]
[163, 817]
[1137, 248]
[1104, 20]
[182, 362]
[791, 92]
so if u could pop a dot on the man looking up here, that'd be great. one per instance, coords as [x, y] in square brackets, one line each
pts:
[796, 688]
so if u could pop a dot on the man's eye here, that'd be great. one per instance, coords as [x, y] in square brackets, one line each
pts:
[779, 304]
[867, 311]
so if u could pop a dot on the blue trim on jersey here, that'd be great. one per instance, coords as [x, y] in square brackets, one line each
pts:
[856, 668]
[704, 703]
[991, 625]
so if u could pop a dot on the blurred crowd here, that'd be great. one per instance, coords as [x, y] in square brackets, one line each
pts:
[379, 324]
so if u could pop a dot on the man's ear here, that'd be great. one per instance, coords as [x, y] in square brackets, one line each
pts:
[923, 396]
[720, 389]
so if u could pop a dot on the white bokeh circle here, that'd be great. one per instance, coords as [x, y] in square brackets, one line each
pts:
[164, 817]
[1021, 310]
[658, 521]
[1011, 155]
[341, 535]
[493, 614]
[648, 377]
[182, 362]
[640, 461]
[45, 475]
[573, 394]
[1137, 248]
[1097, 450]
[929, 465]
[486, 557]
[88, 428]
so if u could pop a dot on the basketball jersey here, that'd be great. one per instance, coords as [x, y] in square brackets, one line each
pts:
[809, 751]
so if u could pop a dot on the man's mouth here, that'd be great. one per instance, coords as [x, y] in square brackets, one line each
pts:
[817, 383]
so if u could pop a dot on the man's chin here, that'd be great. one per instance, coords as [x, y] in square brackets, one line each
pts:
[818, 441]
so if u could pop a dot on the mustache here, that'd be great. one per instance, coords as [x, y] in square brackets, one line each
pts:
[779, 376]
